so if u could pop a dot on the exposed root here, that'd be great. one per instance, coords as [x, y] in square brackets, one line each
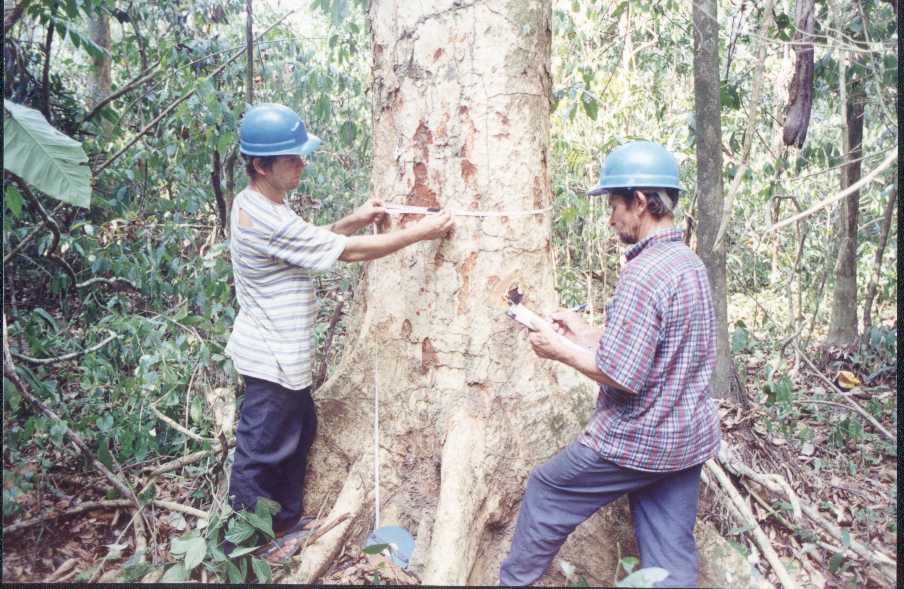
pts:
[318, 555]
[463, 502]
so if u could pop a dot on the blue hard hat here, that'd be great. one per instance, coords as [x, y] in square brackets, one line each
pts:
[639, 164]
[400, 541]
[274, 129]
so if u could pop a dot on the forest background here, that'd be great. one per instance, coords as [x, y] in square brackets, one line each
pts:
[118, 299]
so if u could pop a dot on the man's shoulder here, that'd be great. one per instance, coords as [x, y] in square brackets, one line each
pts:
[665, 257]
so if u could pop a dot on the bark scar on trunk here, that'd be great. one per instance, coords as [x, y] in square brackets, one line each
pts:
[428, 356]
[464, 292]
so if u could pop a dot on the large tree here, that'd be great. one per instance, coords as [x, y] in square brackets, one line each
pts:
[707, 108]
[460, 120]
[461, 101]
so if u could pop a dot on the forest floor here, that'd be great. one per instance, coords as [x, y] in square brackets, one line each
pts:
[834, 462]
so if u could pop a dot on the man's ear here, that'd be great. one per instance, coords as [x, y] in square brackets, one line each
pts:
[259, 167]
[640, 200]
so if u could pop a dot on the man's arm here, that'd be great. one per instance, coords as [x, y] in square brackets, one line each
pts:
[370, 212]
[573, 326]
[370, 247]
[546, 344]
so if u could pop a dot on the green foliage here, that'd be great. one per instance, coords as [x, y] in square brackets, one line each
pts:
[44, 157]
[248, 531]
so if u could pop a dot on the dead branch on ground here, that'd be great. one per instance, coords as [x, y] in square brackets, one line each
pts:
[64, 357]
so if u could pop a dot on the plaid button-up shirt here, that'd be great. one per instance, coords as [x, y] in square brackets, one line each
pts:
[660, 342]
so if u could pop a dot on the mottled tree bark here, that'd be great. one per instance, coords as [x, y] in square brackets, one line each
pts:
[709, 179]
[100, 83]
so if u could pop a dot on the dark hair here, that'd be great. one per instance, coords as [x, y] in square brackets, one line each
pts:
[266, 162]
[655, 205]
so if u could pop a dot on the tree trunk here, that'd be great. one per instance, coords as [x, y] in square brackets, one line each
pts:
[843, 324]
[100, 83]
[709, 180]
[249, 53]
[461, 120]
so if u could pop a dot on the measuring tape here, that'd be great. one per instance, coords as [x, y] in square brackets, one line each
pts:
[413, 210]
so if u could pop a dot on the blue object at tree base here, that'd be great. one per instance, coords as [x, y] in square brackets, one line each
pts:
[401, 543]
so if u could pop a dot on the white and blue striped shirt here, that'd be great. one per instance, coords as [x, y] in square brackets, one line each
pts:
[272, 261]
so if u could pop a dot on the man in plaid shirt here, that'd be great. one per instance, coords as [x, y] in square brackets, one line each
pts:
[654, 424]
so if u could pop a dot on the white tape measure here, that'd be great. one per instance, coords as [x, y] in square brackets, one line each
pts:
[394, 209]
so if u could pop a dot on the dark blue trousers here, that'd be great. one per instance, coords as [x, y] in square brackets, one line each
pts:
[275, 431]
[574, 484]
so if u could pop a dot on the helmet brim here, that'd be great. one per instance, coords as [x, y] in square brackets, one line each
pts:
[310, 145]
[598, 190]
[305, 148]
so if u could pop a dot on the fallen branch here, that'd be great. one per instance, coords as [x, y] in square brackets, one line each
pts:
[850, 402]
[832, 199]
[880, 576]
[184, 461]
[109, 281]
[320, 531]
[64, 568]
[746, 519]
[107, 504]
[64, 357]
[870, 554]
[176, 426]
[774, 482]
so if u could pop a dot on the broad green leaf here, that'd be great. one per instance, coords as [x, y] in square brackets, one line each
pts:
[266, 507]
[374, 548]
[629, 563]
[591, 106]
[233, 572]
[195, 552]
[180, 545]
[103, 453]
[729, 96]
[242, 551]
[175, 574]
[647, 577]
[240, 532]
[261, 523]
[46, 317]
[12, 198]
[740, 339]
[44, 157]
[261, 570]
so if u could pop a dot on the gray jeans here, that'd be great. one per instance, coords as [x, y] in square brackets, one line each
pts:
[574, 484]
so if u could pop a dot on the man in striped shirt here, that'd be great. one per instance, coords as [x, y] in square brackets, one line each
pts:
[654, 424]
[274, 255]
